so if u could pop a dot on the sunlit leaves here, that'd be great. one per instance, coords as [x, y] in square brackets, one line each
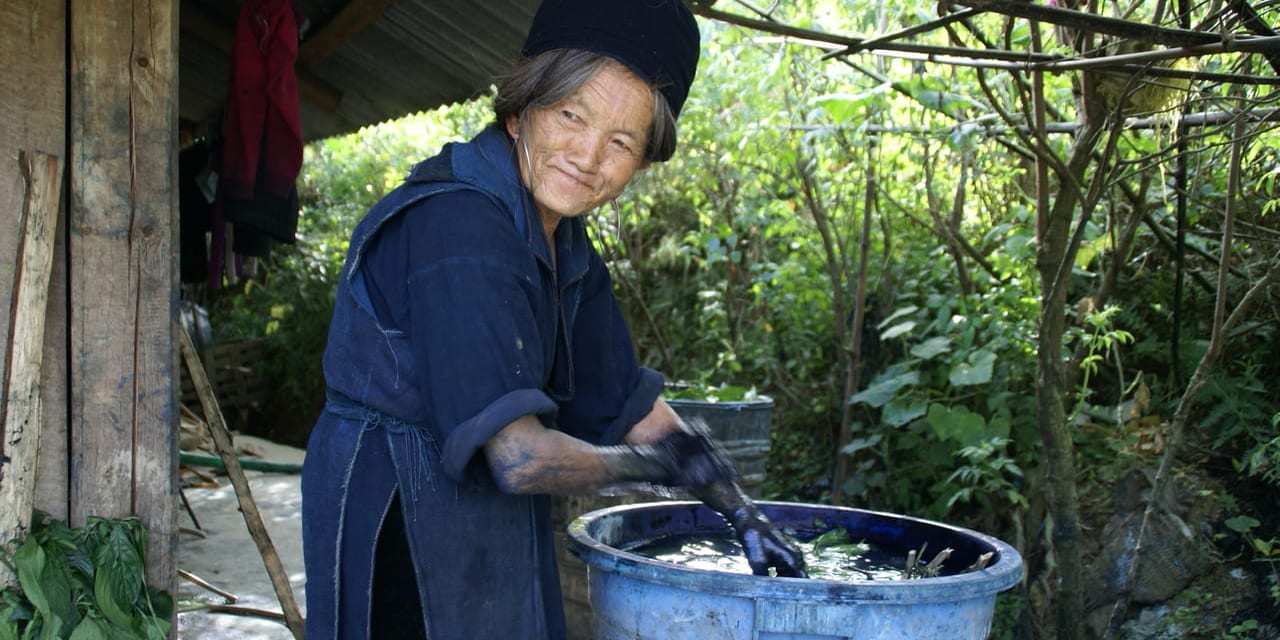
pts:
[898, 330]
[962, 425]
[931, 93]
[852, 107]
[884, 388]
[931, 348]
[976, 369]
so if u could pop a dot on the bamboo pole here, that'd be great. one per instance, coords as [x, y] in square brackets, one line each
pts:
[252, 517]
[21, 413]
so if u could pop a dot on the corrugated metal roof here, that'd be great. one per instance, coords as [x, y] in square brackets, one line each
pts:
[361, 62]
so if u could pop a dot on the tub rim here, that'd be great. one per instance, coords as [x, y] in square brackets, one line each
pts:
[1004, 573]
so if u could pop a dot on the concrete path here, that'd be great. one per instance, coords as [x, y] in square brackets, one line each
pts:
[228, 558]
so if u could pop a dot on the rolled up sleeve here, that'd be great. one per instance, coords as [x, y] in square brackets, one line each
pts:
[468, 438]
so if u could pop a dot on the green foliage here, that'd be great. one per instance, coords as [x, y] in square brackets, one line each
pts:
[1101, 341]
[712, 393]
[988, 477]
[949, 393]
[1265, 551]
[1263, 459]
[1005, 622]
[83, 584]
[289, 300]
[1193, 618]
[1244, 630]
[1237, 406]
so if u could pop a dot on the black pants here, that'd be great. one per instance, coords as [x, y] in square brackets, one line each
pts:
[396, 609]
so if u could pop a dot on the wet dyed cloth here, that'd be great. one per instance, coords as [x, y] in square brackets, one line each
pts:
[450, 323]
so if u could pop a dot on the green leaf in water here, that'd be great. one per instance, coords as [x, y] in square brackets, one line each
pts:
[849, 550]
[836, 536]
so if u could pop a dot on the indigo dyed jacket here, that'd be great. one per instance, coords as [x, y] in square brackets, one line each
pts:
[450, 322]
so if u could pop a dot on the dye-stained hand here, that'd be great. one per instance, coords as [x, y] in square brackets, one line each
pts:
[685, 458]
[765, 547]
[697, 460]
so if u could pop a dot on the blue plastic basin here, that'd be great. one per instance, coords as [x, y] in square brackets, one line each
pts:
[638, 598]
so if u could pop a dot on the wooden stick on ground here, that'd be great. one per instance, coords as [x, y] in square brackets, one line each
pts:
[252, 517]
[20, 388]
[238, 610]
[229, 597]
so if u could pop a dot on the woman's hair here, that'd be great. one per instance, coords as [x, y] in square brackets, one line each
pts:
[547, 78]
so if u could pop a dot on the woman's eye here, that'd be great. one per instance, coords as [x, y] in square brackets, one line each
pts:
[570, 116]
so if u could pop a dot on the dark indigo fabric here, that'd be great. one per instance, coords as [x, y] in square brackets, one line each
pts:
[449, 323]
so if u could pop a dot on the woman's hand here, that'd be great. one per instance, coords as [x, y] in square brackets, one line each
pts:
[764, 546]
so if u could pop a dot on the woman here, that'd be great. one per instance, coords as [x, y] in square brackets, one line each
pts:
[477, 360]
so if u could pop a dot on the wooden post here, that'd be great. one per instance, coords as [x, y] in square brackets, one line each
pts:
[20, 446]
[122, 223]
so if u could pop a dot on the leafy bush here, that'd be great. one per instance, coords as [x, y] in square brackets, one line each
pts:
[950, 386]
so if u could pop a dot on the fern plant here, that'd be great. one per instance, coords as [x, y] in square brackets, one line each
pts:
[1237, 409]
[1263, 460]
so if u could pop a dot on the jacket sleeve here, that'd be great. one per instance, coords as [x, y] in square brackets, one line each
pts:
[611, 391]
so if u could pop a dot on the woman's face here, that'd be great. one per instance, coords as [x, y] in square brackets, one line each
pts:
[581, 152]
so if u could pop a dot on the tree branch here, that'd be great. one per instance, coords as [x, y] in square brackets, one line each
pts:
[1094, 23]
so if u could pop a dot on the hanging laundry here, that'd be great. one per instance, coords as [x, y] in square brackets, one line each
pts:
[262, 129]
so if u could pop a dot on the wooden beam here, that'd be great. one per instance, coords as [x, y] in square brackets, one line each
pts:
[195, 22]
[22, 421]
[354, 17]
[33, 116]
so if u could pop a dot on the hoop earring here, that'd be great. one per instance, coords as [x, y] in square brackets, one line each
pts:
[522, 141]
[528, 160]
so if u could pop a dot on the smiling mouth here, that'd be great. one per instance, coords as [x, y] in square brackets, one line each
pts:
[574, 178]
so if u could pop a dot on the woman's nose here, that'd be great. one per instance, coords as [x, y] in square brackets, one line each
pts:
[587, 150]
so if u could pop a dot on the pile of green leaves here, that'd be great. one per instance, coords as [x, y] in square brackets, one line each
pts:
[711, 393]
[87, 583]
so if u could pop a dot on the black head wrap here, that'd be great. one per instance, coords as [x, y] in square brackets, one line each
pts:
[657, 39]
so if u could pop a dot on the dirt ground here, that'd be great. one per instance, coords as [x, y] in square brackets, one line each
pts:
[227, 557]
